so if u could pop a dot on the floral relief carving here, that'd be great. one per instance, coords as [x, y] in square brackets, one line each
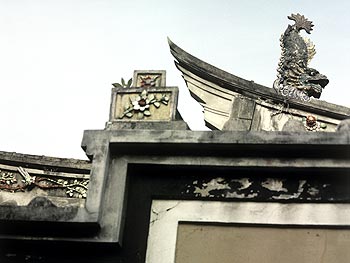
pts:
[141, 104]
[311, 124]
[23, 181]
[148, 81]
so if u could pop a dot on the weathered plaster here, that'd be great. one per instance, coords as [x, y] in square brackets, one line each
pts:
[23, 199]
[274, 185]
[264, 189]
[214, 184]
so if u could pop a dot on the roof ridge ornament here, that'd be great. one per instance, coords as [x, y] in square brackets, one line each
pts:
[301, 22]
[145, 103]
[295, 79]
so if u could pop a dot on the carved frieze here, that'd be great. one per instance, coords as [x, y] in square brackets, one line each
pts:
[21, 180]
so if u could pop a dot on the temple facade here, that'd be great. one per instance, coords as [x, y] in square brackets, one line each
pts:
[269, 183]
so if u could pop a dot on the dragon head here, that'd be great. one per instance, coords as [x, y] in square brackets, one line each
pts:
[312, 82]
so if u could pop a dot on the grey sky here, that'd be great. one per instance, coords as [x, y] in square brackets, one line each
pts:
[59, 58]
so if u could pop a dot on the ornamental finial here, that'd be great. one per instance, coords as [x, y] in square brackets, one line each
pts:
[295, 79]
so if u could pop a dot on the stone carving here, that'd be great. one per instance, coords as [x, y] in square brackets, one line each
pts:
[141, 105]
[344, 125]
[123, 84]
[7, 178]
[311, 124]
[22, 180]
[295, 79]
[148, 81]
[149, 78]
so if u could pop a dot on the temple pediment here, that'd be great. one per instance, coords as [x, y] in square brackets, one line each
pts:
[269, 183]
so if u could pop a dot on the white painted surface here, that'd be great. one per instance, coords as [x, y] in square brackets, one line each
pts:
[166, 215]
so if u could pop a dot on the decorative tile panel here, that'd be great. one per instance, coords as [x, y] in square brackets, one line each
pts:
[149, 78]
[147, 104]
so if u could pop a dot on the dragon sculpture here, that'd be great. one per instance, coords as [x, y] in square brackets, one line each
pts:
[295, 79]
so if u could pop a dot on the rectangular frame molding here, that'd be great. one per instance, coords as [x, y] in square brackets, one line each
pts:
[167, 214]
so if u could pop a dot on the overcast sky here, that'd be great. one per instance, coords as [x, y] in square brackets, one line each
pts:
[59, 58]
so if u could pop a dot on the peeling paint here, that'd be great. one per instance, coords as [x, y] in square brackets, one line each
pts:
[301, 186]
[284, 197]
[294, 195]
[265, 188]
[274, 185]
[214, 184]
[236, 195]
[221, 184]
[313, 191]
[245, 183]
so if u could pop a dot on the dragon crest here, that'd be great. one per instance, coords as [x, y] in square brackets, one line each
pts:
[295, 79]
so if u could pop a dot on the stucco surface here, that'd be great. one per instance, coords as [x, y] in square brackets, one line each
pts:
[227, 244]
